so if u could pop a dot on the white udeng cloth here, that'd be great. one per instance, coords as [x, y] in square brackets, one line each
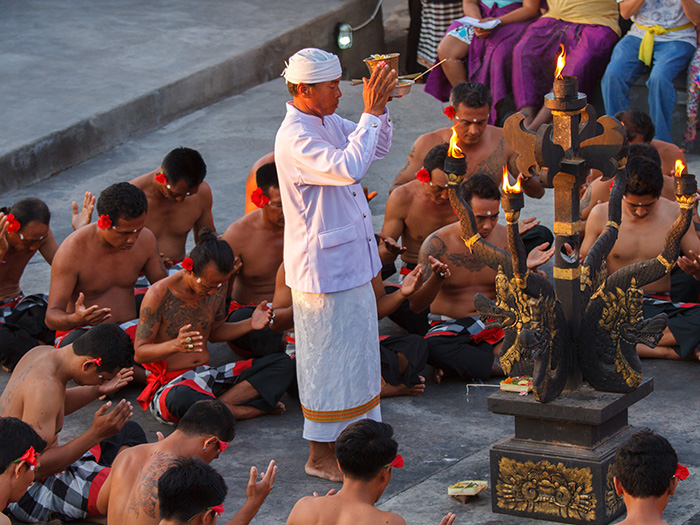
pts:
[337, 357]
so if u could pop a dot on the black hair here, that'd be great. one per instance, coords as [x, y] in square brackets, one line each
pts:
[637, 123]
[266, 177]
[211, 249]
[480, 185]
[645, 464]
[184, 164]
[436, 157]
[472, 94]
[644, 177]
[108, 342]
[122, 200]
[189, 487]
[209, 417]
[28, 210]
[16, 437]
[641, 149]
[364, 448]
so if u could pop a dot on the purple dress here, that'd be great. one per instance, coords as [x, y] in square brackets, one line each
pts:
[489, 61]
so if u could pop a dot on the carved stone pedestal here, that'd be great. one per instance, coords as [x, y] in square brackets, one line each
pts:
[557, 465]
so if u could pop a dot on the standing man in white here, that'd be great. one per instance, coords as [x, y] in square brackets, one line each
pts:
[330, 253]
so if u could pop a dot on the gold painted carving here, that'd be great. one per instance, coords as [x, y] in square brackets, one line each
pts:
[453, 179]
[613, 224]
[686, 201]
[666, 264]
[622, 307]
[613, 502]
[546, 488]
[567, 274]
[566, 228]
[470, 242]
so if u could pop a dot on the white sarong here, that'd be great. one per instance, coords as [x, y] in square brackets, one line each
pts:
[337, 358]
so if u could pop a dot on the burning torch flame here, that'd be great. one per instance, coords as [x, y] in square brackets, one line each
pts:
[454, 151]
[561, 62]
[515, 188]
[679, 168]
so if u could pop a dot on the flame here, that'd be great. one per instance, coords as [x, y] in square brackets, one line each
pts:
[561, 62]
[679, 168]
[515, 188]
[454, 151]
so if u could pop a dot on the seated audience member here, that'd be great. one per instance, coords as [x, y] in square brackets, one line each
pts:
[482, 55]
[587, 30]
[178, 316]
[366, 453]
[95, 268]
[692, 98]
[191, 492]
[251, 183]
[435, 17]
[458, 342]
[179, 201]
[24, 230]
[69, 477]
[257, 239]
[646, 473]
[19, 456]
[661, 41]
[403, 357]
[483, 146]
[646, 219]
[131, 491]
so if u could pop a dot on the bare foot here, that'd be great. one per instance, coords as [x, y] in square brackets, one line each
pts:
[438, 375]
[279, 409]
[325, 470]
[245, 411]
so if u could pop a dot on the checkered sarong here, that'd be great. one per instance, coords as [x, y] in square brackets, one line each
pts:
[205, 379]
[436, 17]
[67, 496]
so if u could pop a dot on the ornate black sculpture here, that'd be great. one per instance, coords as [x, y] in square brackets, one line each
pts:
[588, 321]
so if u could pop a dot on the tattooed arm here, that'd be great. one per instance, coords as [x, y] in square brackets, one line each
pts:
[153, 308]
[414, 162]
[432, 253]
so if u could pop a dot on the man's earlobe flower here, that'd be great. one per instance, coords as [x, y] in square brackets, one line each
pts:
[187, 264]
[104, 222]
[259, 198]
[449, 111]
[423, 176]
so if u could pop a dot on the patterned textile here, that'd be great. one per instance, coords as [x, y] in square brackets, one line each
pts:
[337, 355]
[693, 91]
[128, 326]
[436, 17]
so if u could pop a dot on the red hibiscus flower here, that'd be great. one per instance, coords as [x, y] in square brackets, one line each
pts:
[397, 462]
[29, 457]
[423, 176]
[449, 111]
[258, 198]
[219, 509]
[681, 472]
[96, 360]
[223, 445]
[160, 178]
[13, 224]
[187, 264]
[104, 222]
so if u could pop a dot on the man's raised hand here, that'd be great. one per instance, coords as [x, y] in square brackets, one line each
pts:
[262, 315]
[84, 216]
[4, 243]
[526, 225]
[412, 282]
[540, 255]
[92, 315]
[189, 340]
[107, 424]
[119, 381]
[449, 519]
[690, 264]
[375, 93]
[440, 269]
[257, 491]
[391, 245]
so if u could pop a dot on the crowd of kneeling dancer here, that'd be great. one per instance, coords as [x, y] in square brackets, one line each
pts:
[127, 303]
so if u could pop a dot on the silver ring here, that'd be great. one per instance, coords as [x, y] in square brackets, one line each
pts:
[190, 346]
[442, 274]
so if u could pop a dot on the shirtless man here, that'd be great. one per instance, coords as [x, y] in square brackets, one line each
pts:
[257, 239]
[130, 493]
[179, 201]
[37, 393]
[457, 340]
[95, 268]
[19, 456]
[483, 146]
[24, 230]
[178, 316]
[646, 219]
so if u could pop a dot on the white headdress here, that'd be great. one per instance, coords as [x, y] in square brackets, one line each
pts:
[312, 65]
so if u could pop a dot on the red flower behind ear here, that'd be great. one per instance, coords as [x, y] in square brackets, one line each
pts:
[29, 457]
[96, 360]
[223, 445]
[187, 264]
[423, 176]
[161, 178]
[104, 222]
[258, 198]
[219, 509]
[13, 224]
[449, 111]
[681, 472]
[397, 462]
